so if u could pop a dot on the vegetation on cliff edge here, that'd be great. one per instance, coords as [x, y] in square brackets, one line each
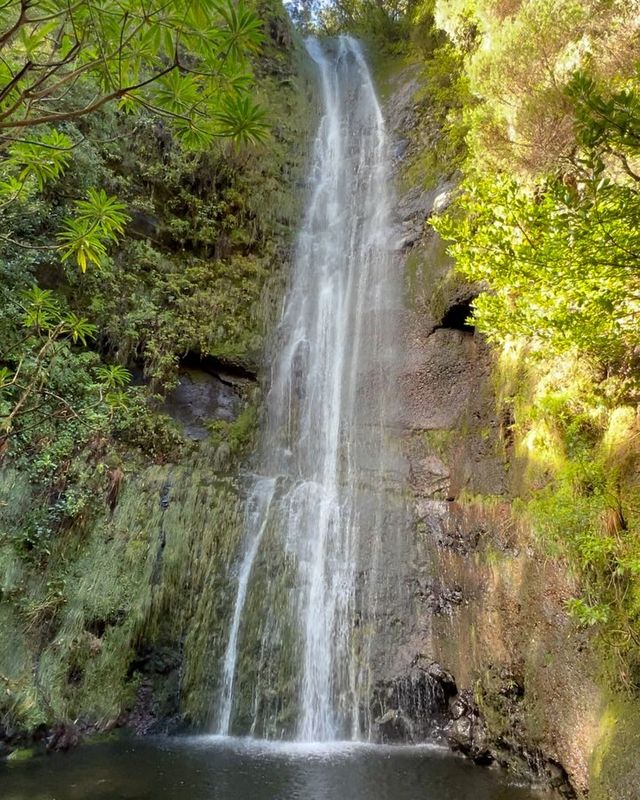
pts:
[180, 188]
[537, 105]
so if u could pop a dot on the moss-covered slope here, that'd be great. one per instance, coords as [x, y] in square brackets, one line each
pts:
[116, 531]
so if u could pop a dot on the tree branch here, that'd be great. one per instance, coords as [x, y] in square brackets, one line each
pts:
[15, 80]
[22, 18]
[27, 122]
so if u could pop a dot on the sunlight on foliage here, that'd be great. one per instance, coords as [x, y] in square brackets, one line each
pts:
[186, 63]
[178, 57]
[113, 376]
[98, 221]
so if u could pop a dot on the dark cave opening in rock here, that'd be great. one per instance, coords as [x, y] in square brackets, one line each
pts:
[227, 371]
[456, 317]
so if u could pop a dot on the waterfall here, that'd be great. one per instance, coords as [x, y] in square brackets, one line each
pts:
[318, 520]
[257, 517]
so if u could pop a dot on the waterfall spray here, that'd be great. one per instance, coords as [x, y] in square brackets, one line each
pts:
[324, 441]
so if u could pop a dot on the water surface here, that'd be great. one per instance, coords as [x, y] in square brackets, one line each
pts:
[210, 768]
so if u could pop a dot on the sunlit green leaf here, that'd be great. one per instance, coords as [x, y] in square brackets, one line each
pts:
[78, 328]
[113, 376]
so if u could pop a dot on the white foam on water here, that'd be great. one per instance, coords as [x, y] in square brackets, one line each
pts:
[305, 750]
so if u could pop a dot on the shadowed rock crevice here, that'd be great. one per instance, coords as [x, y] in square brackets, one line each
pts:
[457, 317]
[208, 389]
[230, 372]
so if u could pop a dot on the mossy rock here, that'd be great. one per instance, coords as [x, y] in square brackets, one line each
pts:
[615, 764]
[21, 754]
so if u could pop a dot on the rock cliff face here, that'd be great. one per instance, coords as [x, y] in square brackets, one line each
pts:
[488, 657]
[482, 651]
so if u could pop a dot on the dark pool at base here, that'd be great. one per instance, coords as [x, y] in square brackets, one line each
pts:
[207, 768]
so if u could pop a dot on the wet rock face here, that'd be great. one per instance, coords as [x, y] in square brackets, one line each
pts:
[63, 736]
[438, 597]
[395, 726]
[413, 707]
[416, 206]
[204, 394]
[468, 732]
[486, 660]
[439, 375]
[157, 705]
[426, 704]
[448, 412]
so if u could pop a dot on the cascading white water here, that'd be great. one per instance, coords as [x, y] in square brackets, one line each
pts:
[324, 500]
[257, 516]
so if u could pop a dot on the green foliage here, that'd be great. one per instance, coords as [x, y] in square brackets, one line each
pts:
[28, 381]
[185, 63]
[184, 59]
[188, 63]
[63, 206]
[43, 159]
[240, 120]
[587, 615]
[560, 260]
[136, 425]
[94, 570]
[237, 435]
[384, 20]
[608, 123]
[113, 376]
[98, 220]
[78, 328]
[447, 102]
[522, 121]
[561, 256]
[41, 309]
[576, 450]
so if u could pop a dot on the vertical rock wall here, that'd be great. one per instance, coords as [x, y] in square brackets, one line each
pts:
[488, 657]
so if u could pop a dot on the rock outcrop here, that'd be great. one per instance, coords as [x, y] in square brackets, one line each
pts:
[488, 660]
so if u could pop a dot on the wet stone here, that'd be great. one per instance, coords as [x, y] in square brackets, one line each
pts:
[201, 397]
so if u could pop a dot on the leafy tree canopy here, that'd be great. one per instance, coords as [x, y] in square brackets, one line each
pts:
[70, 75]
[380, 18]
[186, 62]
[561, 258]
